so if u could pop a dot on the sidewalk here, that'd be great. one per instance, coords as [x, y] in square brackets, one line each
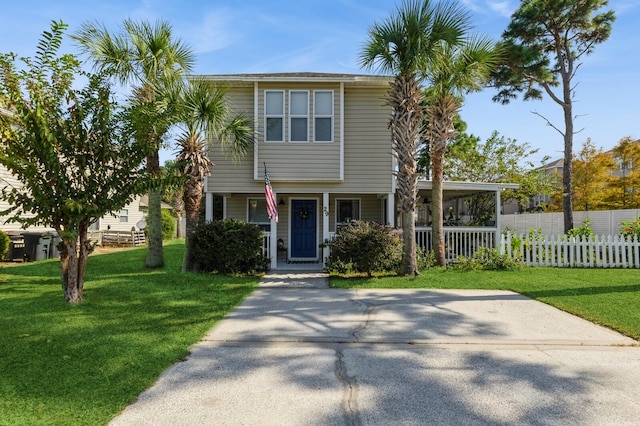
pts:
[298, 353]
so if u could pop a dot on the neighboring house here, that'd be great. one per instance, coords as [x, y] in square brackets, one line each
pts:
[325, 141]
[124, 220]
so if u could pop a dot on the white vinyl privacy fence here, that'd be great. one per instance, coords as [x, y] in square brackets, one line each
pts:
[603, 222]
[605, 251]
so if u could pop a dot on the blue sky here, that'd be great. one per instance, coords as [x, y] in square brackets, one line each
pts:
[326, 36]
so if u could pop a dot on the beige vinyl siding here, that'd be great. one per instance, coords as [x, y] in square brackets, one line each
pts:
[299, 161]
[226, 175]
[8, 180]
[367, 147]
[370, 207]
[135, 215]
[367, 156]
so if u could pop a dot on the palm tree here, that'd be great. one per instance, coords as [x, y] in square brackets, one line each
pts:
[205, 115]
[403, 45]
[151, 59]
[453, 71]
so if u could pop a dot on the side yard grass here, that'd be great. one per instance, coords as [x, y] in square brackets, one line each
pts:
[610, 297]
[81, 365]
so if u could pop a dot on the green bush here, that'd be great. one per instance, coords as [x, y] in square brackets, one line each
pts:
[228, 247]
[630, 228]
[584, 230]
[168, 225]
[364, 247]
[4, 244]
[487, 260]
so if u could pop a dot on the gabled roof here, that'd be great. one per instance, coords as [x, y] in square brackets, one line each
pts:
[306, 77]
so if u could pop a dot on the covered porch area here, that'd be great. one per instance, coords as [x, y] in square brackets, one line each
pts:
[471, 214]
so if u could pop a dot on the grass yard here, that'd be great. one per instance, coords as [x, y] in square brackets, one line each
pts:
[610, 297]
[82, 364]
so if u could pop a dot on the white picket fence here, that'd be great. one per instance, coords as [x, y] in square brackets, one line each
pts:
[605, 251]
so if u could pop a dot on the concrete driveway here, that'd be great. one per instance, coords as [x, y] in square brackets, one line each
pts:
[298, 353]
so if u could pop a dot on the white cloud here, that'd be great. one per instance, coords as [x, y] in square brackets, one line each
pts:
[214, 32]
[503, 8]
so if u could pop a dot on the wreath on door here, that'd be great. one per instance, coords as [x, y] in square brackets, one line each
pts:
[303, 213]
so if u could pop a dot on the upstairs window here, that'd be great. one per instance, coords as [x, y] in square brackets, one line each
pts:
[323, 116]
[299, 116]
[274, 116]
[124, 215]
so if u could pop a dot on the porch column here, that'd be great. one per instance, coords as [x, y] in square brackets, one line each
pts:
[391, 209]
[208, 206]
[498, 226]
[273, 241]
[325, 225]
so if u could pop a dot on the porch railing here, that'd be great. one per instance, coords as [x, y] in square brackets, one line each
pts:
[459, 241]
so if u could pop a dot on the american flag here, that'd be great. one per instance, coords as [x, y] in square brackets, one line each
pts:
[272, 206]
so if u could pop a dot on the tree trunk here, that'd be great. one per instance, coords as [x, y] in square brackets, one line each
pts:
[437, 225]
[405, 98]
[74, 255]
[192, 197]
[567, 189]
[155, 256]
[441, 130]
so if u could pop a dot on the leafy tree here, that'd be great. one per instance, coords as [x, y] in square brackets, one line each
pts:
[453, 70]
[153, 60]
[544, 45]
[68, 148]
[403, 45]
[591, 176]
[172, 194]
[204, 113]
[499, 159]
[625, 182]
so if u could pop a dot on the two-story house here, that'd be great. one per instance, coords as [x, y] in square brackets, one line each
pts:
[326, 145]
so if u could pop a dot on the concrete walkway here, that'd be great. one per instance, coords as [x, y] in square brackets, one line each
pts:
[298, 353]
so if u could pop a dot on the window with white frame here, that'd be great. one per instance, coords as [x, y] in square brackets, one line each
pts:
[124, 215]
[257, 211]
[347, 210]
[323, 116]
[298, 116]
[274, 115]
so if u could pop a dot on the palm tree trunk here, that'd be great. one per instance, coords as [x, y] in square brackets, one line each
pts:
[192, 197]
[155, 256]
[405, 98]
[441, 130]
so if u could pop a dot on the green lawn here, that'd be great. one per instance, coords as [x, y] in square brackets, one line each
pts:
[82, 364]
[610, 297]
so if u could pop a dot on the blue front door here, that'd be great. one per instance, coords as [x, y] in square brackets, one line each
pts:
[303, 229]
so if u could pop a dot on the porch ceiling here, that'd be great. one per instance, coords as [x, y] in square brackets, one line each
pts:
[452, 190]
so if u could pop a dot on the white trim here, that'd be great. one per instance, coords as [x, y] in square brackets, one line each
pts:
[282, 117]
[325, 225]
[331, 116]
[391, 209]
[291, 116]
[337, 201]
[208, 206]
[224, 208]
[341, 131]
[256, 112]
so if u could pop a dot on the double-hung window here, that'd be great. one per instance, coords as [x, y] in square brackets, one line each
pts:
[323, 116]
[257, 213]
[298, 116]
[124, 215]
[274, 115]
